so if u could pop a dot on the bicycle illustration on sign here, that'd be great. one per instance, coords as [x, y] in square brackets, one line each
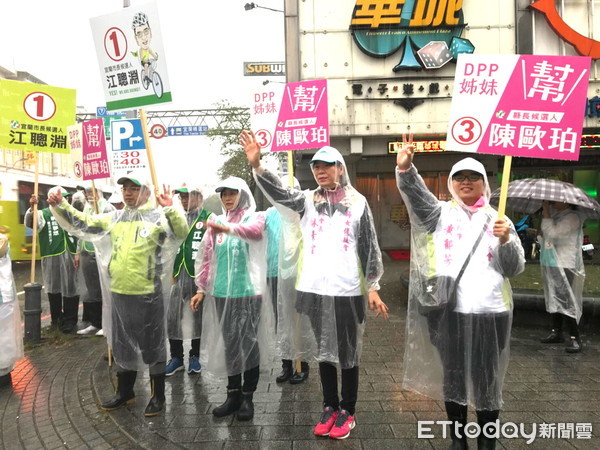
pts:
[147, 57]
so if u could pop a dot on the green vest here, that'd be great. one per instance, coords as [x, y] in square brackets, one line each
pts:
[232, 278]
[52, 238]
[186, 255]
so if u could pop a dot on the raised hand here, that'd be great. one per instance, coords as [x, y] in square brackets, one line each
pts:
[165, 198]
[251, 147]
[406, 153]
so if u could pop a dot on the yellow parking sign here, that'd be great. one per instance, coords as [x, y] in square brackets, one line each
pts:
[35, 117]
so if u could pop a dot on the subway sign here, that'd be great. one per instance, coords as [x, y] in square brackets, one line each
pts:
[264, 69]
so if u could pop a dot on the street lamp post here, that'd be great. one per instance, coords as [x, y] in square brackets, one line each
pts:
[249, 6]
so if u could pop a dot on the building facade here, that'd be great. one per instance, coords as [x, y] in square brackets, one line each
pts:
[379, 86]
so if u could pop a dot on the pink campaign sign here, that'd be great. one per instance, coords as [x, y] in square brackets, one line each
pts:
[303, 121]
[95, 160]
[520, 105]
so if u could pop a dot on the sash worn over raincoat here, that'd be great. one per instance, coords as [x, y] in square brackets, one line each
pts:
[458, 353]
[329, 261]
[11, 333]
[237, 325]
[561, 262]
[134, 262]
[182, 322]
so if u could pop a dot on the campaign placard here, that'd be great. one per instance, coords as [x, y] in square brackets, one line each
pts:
[95, 160]
[303, 121]
[75, 134]
[131, 56]
[520, 105]
[35, 116]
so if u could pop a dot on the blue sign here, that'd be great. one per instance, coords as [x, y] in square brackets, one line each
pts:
[196, 130]
[127, 134]
[101, 111]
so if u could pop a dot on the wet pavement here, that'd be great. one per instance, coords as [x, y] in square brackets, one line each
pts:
[57, 388]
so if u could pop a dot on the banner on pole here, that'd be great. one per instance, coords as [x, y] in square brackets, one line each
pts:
[131, 56]
[519, 105]
[35, 116]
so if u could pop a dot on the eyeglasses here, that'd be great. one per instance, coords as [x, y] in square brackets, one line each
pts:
[143, 33]
[131, 188]
[472, 178]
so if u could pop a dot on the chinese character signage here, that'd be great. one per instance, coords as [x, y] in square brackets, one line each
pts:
[76, 145]
[131, 56]
[519, 105]
[35, 116]
[95, 160]
[196, 130]
[302, 117]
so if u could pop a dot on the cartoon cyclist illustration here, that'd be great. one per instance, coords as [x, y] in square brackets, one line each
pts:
[147, 57]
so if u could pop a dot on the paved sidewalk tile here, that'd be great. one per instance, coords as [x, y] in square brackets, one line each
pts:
[56, 391]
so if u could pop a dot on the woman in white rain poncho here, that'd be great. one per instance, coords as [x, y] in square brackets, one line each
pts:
[237, 332]
[563, 272]
[338, 274]
[135, 268]
[459, 352]
[11, 333]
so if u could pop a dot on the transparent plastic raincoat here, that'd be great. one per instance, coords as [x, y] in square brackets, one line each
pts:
[237, 326]
[11, 333]
[329, 261]
[135, 248]
[182, 322]
[458, 353]
[90, 289]
[57, 250]
[561, 262]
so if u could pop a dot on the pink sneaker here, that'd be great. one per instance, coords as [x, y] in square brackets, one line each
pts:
[327, 421]
[343, 424]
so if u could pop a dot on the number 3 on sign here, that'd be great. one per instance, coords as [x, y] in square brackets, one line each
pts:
[39, 106]
[466, 130]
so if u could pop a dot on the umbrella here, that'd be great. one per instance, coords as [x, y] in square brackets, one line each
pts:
[527, 195]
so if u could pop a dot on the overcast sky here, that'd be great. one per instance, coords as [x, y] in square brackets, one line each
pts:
[206, 42]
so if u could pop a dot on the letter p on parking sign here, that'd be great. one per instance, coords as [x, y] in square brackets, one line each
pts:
[127, 135]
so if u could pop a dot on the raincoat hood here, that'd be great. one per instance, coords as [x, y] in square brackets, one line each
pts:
[245, 201]
[474, 166]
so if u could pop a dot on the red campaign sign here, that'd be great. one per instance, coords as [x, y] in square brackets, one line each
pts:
[303, 121]
[519, 105]
[95, 160]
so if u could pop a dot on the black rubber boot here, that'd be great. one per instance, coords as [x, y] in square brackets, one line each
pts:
[286, 371]
[483, 418]
[70, 314]
[299, 377]
[157, 401]
[555, 337]
[231, 404]
[6, 380]
[246, 410]
[124, 393]
[457, 414]
[56, 312]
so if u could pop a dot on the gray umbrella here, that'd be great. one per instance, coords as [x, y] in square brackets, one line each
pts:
[527, 195]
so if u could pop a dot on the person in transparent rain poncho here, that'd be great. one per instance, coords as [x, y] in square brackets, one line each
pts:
[140, 244]
[337, 274]
[11, 333]
[237, 334]
[282, 233]
[459, 352]
[563, 273]
[57, 252]
[182, 322]
[85, 259]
